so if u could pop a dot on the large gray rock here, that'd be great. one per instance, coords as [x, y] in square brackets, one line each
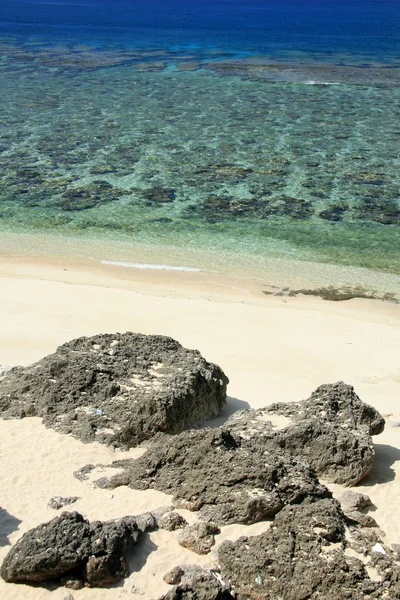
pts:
[332, 430]
[301, 556]
[223, 475]
[88, 553]
[249, 469]
[118, 389]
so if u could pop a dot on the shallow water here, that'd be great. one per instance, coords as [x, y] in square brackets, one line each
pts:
[292, 154]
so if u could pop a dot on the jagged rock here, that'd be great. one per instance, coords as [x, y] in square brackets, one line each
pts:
[248, 470]
[172, 521]
[58, 502]
[173, 576]
[203, 586]
[300, 556]
[332, 430]
[199, 537]
[74, 550]
[118, 389]
[223, 475]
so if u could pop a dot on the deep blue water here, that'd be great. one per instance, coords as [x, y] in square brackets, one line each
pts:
[361, 27]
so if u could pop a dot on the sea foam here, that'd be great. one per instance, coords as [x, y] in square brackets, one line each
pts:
[149, 266]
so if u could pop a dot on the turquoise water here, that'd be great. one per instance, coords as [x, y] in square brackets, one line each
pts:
[291, 156]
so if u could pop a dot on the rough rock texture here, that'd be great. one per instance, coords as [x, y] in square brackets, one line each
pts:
[202, 586]
[58, 502]
[332, 430]
[172, 521]
[118, 389]
[199, 537]
[228, 478]
[248, 469]
[302, 557]
[71, 548]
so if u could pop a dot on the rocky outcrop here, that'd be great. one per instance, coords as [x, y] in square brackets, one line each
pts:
[249, 469]
[221, 474]
[332, 430]
[74, 551]
[301, 556]
[118, 389]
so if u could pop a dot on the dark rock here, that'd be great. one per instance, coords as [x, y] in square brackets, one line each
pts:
[118, 389]
[300, 556]
[70, 548]
[199, 537]
[172, 521]
[335, 212]
[332, 430]
[58, 502]
[173, 576]
[226, 476]
[203, 586]
[158, 195]
[89, 196]
[335, 294]
[248, 470]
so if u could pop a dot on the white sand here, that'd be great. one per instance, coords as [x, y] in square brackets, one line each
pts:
[272, 349]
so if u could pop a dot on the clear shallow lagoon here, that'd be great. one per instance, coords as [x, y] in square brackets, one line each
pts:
[260, 129]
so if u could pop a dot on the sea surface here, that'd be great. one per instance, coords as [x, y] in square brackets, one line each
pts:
[218, 132]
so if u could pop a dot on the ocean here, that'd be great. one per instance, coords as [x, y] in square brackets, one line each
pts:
[220, 135]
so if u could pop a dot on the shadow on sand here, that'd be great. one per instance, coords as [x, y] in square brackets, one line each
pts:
[8, 524]
[232, 406]
[382, 471]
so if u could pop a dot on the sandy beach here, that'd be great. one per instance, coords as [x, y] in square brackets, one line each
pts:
[272, 349]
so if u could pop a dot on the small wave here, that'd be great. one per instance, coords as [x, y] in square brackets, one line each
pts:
[312, 82]
[149, 266]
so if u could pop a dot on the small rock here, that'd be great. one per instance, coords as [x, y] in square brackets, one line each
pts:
[199, 537]
[72, 584]
[82, 473]
[393, 423]
[362, 519]
[353, 501]
[395, 548]
[173, 576]
[172, 521]
[58, 502]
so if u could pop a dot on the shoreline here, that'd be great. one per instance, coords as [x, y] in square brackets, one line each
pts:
[272, 275]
